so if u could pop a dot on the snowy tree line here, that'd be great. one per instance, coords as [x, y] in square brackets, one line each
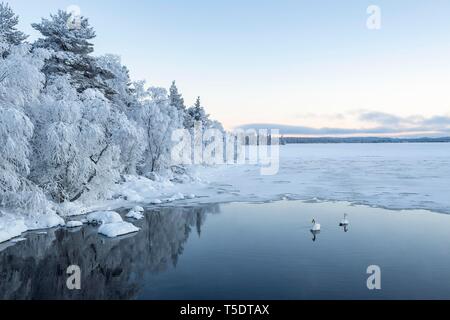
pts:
[72, 123]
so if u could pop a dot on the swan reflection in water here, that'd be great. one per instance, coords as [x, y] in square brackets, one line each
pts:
[345, 223]
[315, 233]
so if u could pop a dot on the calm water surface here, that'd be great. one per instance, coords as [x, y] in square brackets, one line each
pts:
[240, 251]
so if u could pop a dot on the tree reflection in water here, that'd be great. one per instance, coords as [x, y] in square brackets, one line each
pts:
[111, 268]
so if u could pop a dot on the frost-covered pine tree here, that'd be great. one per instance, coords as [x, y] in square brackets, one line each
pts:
[175, 98]
[9, 35]
[72, 47]
[197, 114]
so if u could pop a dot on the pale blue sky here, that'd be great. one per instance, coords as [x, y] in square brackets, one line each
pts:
[302, 63]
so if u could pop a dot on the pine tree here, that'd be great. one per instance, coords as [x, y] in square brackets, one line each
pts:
[72, 49]
[9, 35]
[196, 114]
[175, 98]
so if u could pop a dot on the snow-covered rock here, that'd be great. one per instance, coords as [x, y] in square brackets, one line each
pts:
[175, 197]
[136, 213]
[138, 209]
[74, 224]
[104, 217]
[116, 229]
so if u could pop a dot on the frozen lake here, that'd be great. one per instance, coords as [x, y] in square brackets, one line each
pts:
[393, 176]
[240, 251]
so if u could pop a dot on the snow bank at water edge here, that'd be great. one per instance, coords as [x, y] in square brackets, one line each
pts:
[116, 229]
[74, 224]
[44, 221]
[13, 225]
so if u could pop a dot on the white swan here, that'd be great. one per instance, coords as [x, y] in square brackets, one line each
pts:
[344, 222]
[316, 226]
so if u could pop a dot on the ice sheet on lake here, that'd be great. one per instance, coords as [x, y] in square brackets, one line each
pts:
[394, 176]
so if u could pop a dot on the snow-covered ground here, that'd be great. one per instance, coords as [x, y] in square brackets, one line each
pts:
[393, 176]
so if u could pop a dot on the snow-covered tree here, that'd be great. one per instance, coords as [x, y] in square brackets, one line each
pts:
[21, 79]
[4, 46]
[16, 131]
[9, 35]
[72, 49]
[129, 137]
[120, 81]
[20, 85]
[73, 151]
[127, 134]
[196, 114]
[158, 118]
[71, 123]
[176, 99]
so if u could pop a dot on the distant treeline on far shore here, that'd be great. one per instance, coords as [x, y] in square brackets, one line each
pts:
[292, 140]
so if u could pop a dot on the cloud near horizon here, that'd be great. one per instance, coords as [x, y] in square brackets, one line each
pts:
[384, 124]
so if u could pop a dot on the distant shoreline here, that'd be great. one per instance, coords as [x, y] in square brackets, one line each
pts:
[297, 140]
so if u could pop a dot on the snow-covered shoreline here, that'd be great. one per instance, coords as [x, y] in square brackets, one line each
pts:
[398, 177]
